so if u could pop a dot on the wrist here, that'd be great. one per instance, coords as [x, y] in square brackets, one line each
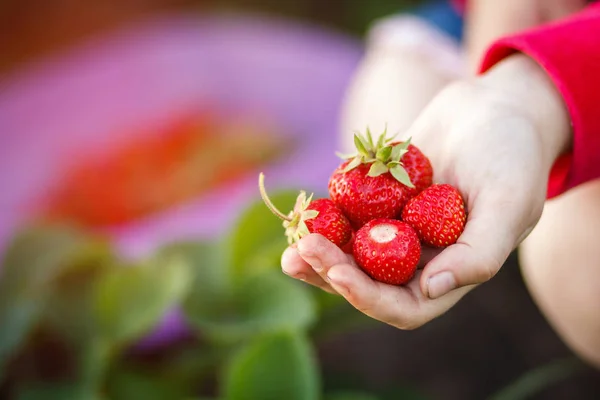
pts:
[528, 88]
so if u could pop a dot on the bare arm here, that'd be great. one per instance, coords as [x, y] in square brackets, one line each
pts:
[488, 20]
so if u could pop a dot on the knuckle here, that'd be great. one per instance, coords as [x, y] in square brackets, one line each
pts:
[365, 308]
[368, 306]
[489, 268]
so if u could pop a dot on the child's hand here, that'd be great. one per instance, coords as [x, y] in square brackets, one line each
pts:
[495, 138]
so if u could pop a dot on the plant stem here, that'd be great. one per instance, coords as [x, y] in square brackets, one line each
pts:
[268, 202]
[95, 359]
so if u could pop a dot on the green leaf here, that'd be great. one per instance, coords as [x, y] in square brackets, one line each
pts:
[262, 303]
[255, 230]
[37, 255]
[129, 383]
[131, 300]
[268, 257]
[69, 305]
[361, 146]
[55, 391]
[190, 365]
[377, 168]
[34, 258]
[383, 154]
[350, 396]
[210, 275]
[274, 367]
[401, 176]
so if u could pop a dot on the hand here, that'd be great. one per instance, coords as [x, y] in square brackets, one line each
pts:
[495, 138]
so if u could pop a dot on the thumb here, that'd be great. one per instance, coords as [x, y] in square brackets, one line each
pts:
[476, 257]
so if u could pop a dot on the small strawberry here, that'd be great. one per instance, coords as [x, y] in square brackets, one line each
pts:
[311, 216]
[388, 250]
[437, 214]
[379, 180]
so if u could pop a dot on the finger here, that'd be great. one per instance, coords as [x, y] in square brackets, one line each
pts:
[293, 265]
[404, 307]
[321, 253]
[478, 254]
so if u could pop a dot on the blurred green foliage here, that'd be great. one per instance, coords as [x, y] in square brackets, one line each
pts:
[72, 314]
[253, 329]
[352, 16]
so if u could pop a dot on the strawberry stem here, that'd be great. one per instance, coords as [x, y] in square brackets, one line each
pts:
[267, 201]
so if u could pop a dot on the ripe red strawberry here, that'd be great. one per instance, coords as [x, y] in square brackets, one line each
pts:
[388, 250]
[437, 214]
[319, 216]
[379, 180]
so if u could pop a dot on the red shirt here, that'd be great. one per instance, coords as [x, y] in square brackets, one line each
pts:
[569, 51]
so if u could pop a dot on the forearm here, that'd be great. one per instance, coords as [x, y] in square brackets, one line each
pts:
[534, 95]
[488, 20]
[567, 50]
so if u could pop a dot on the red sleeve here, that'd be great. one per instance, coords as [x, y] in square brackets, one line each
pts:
[459, 5]
[569, 51]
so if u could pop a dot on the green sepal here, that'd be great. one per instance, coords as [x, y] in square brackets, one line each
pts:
[361, 146]
[383, 156]
[382, 138]
[370, 138]
[345, 156]
[295, 228]
[309, 214]
[302, 229]
[384, 153]
[352, 164]
[399, 150]
[377, 168]
[401, 176]
[306, 202]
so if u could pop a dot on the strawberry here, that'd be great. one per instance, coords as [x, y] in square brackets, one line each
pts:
[379, 180]
[147, 172]
[437, 214]
[388, 250]
[311, 216]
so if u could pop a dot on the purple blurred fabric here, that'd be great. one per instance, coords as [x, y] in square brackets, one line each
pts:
[294, 73]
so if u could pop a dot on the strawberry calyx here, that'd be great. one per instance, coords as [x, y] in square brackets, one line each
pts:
[295, 222]
[384, 156]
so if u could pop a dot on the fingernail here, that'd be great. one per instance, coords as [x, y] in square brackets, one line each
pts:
[287, 254]
[440, 284]
[316, 265]
[301, 277]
